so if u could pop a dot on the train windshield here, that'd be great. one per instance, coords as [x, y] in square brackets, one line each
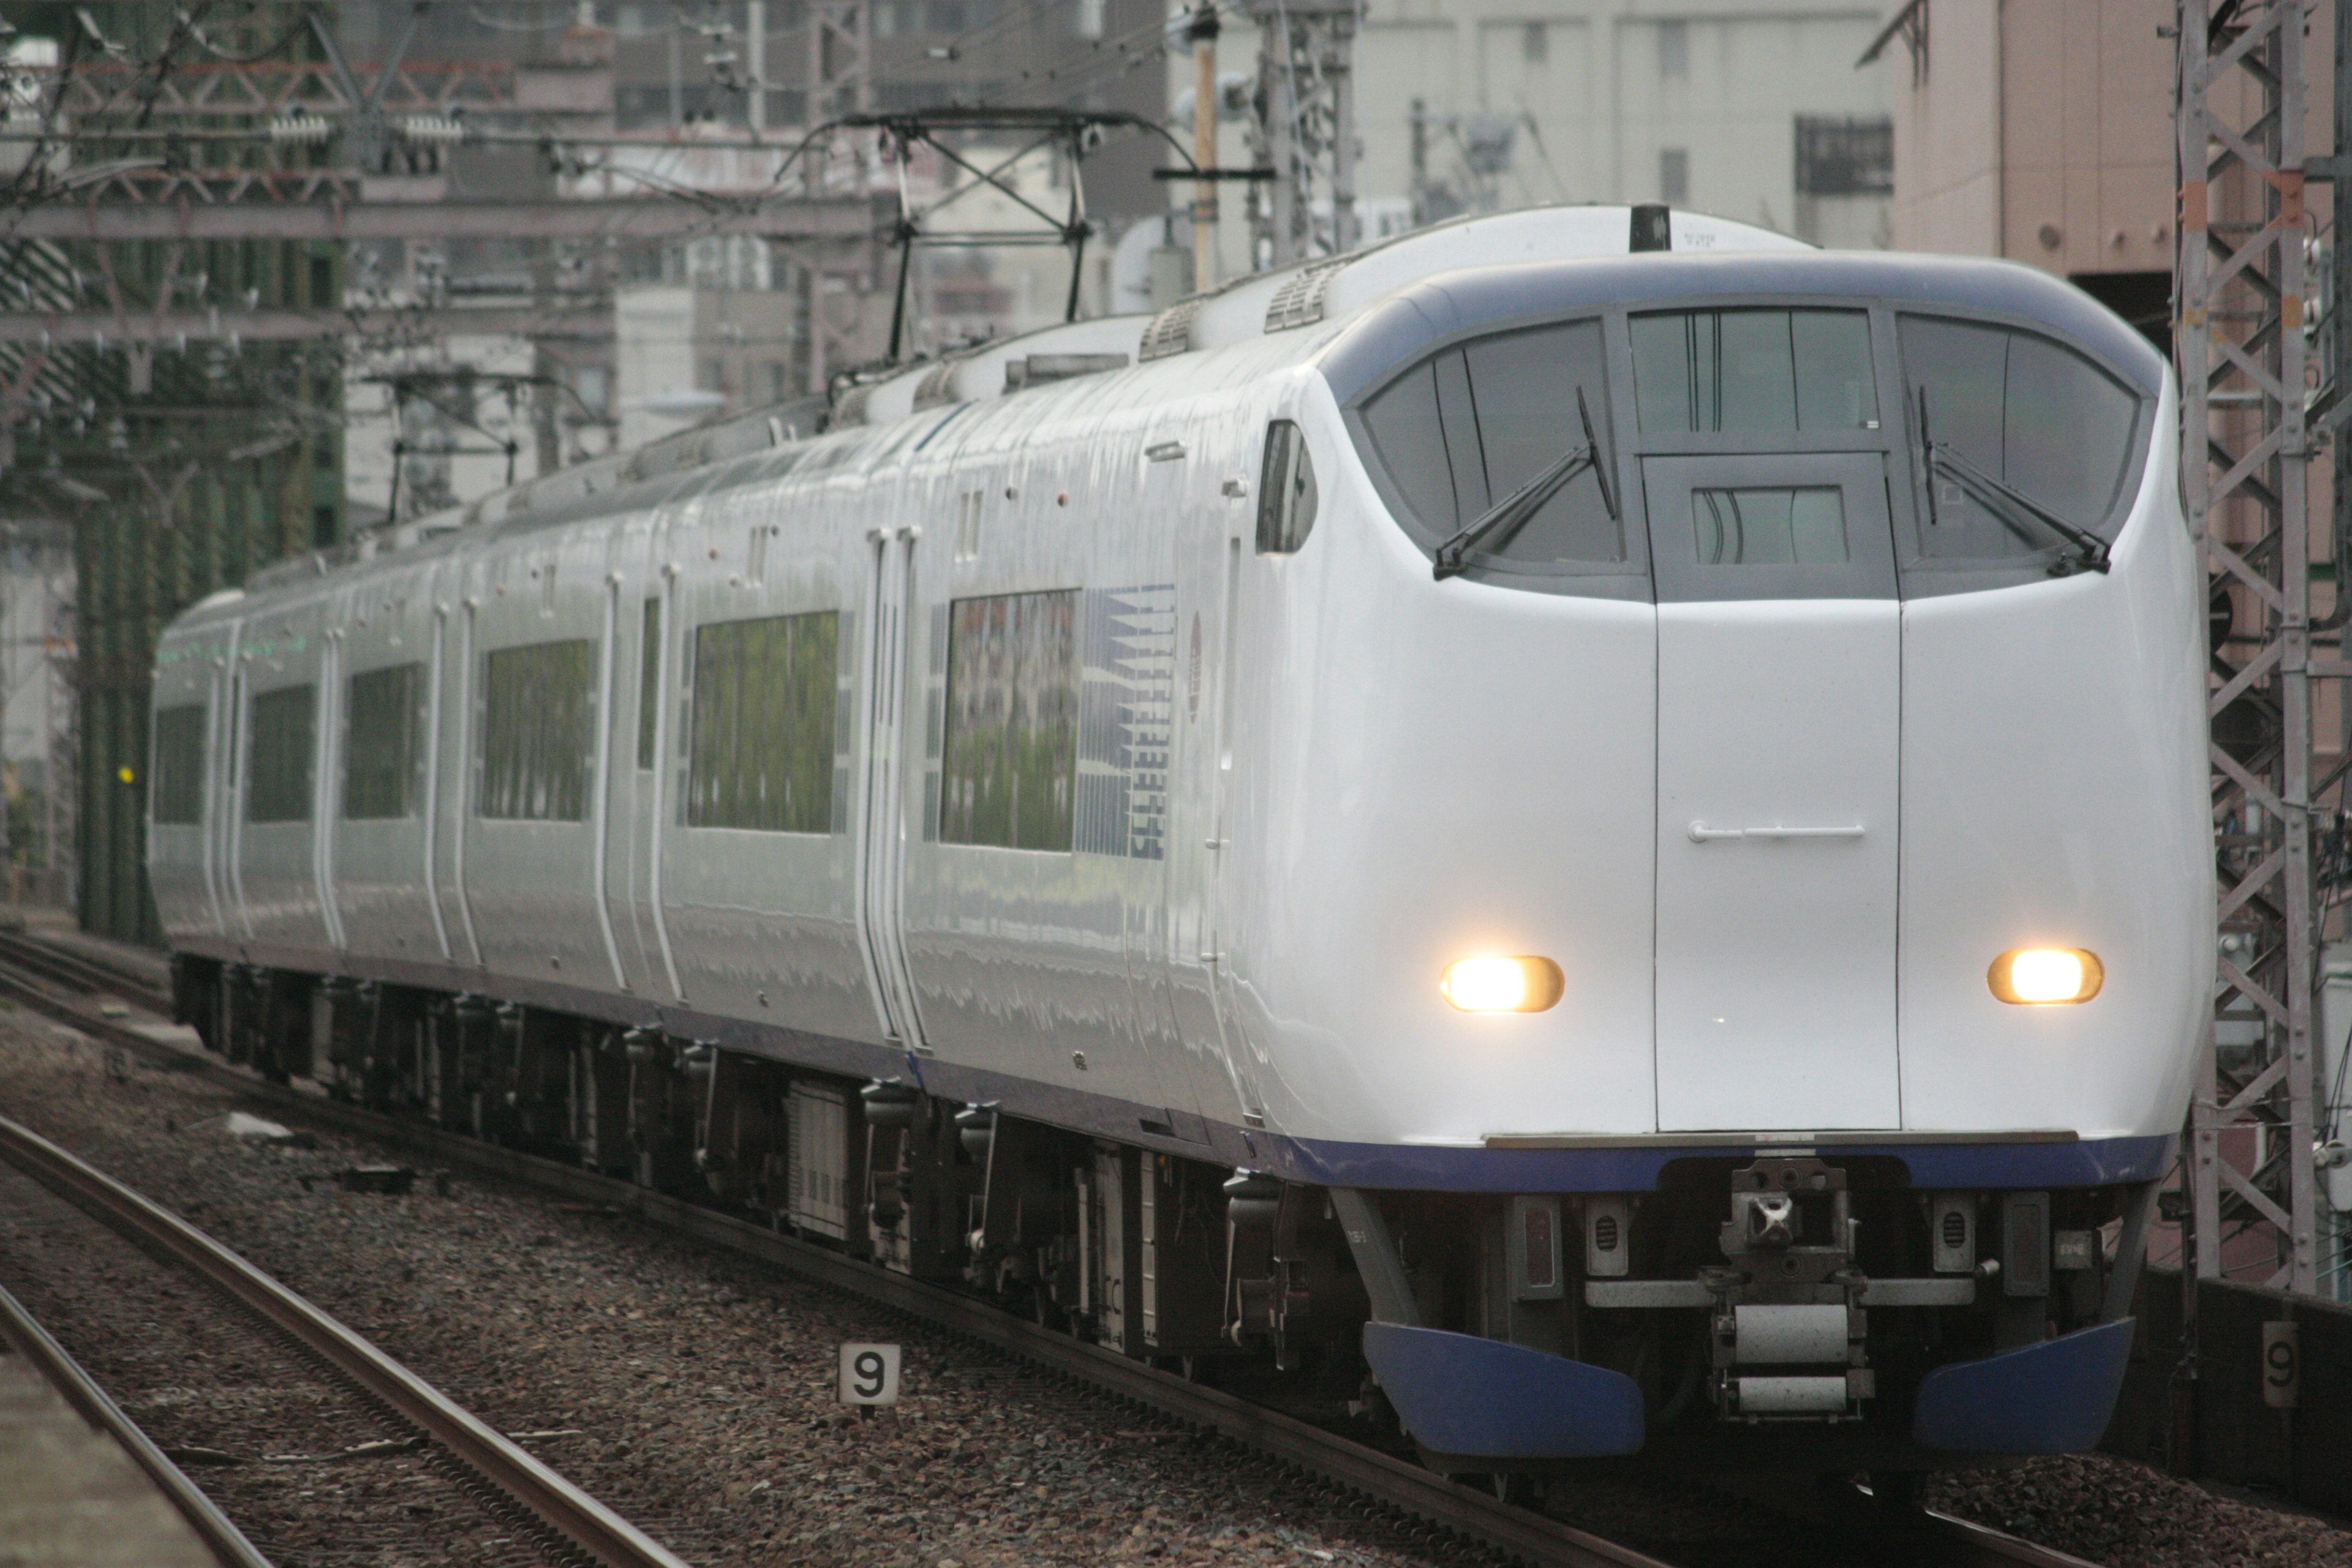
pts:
[1763, 451]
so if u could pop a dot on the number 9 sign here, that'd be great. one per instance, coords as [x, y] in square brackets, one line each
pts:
[869, 1375]
[2282, 1365]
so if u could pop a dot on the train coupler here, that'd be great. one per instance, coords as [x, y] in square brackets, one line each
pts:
[1788, 1330]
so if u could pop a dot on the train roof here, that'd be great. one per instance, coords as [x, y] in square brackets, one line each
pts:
[1376, 308]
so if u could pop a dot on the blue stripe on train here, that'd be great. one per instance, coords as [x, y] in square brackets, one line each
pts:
[2089, 1163]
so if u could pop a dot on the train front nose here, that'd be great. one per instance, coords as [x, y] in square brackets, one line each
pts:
[1779, 700]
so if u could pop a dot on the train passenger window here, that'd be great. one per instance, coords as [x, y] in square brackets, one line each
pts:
[175, 787]
[278, 760]
[1774, 526]
[1009, 760]
[1285, 493]
[1468, 427]
[1709, 371]
[382, 743]
[648, 683]
[2040, 418]
[538, 731]
[761, 750]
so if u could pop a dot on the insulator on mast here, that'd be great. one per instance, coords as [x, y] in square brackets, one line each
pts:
[301, 130]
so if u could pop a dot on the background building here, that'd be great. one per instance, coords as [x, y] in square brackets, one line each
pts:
[2041, 133]
[1752, 111]
[194, 410]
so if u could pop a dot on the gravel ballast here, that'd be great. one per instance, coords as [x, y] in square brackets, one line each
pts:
[694, 1391]
[303, 1463]
[700, 1386]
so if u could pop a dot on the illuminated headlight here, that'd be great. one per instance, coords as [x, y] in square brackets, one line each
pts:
[2043, 976]
[1502, 984]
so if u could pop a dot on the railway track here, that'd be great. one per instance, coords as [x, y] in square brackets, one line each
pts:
[21, 1333]
[576, 1518]
[1853, 1519]
[83, 975]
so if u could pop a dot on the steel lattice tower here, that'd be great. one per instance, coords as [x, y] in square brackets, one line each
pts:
[2240, 346]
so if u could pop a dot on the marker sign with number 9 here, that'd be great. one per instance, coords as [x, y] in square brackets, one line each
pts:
[869, 1375]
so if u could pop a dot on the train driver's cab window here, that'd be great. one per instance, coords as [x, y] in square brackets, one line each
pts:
[2022, 431]
[761, 750]
[382, 745]
[1470, 428]
[538, 731]
[1748, 372]
[1009, 763]
[175, 778]
[277, 766]
[1775, 525]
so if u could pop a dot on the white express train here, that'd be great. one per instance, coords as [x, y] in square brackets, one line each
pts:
[1604, 831]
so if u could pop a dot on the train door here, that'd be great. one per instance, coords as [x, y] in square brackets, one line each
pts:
[632, 720]
[605, 767]
[279, 760]
[881, 816]
[436, 626]
[227, 816]
[220, 725]
[658, 784]
[1778, 699]
[446, 697]
[461, 587]
[326, 791]
[1208, 591]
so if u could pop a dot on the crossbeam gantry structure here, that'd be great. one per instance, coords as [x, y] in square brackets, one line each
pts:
[2246, 447]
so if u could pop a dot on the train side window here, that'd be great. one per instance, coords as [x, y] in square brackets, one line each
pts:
[278, 763]
[382, 746]
[1473, 424]
[1286, 494]
[538, 731]
[648, 684]
[2041, 418]
[762, 753]
[175, 792]
[1747, 372]
[1009, 763]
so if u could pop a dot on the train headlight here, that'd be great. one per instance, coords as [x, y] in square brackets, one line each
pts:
[2046, 976]
[1521, 984]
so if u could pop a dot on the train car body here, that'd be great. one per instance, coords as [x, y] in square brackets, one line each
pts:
[1613, 845]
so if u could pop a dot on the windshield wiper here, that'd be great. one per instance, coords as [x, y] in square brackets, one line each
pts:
[2090, 552]
[1505, 517]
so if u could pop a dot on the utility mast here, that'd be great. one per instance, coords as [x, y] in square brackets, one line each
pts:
[1306, 70]
[2245, 441]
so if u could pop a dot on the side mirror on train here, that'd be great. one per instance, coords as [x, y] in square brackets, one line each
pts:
[1286, 491]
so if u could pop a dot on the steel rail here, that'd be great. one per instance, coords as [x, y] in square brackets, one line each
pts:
[571, 1513]
[1474, 1514]
[1851, 1514]
[82, 972]
[218, 1532]
[1968, 1544]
